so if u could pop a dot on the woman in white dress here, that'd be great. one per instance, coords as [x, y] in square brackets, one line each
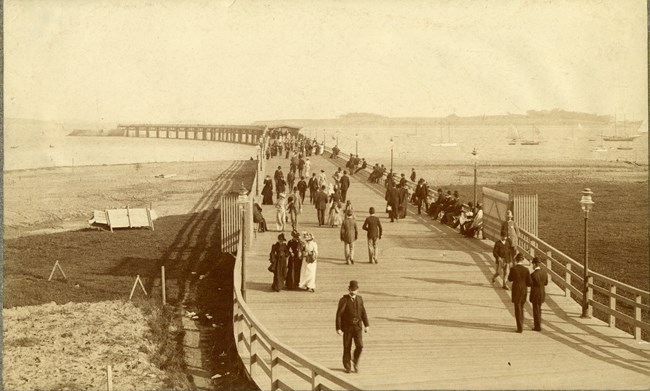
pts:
[308, 269]
[307, 168]
[281, 212]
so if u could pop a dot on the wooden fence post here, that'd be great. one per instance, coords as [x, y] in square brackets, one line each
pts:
[109, 378]
[612, 305]
[314, 381]
[637, 317]
[162, 281]
[567, 280]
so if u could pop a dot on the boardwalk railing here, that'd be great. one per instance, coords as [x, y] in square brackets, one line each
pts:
[616, 300]
[224, 133]
[267, 357]
[567, 274]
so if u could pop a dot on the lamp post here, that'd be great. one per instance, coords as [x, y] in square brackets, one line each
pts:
[475, 164]
[259, 169]
[356, 144]
[392, 144]
[586, 204]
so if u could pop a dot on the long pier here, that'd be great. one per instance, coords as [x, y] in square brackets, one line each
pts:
[436, 320]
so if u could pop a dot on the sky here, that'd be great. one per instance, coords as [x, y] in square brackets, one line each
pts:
[237, 61]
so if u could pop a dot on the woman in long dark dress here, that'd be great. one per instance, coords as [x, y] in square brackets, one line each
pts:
[267, 191]
[296, 251]
[278, 258]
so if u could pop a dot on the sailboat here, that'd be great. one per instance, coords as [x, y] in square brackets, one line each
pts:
[513, 135]
[448, 143]
[534, 141]
[624, 137]
[643, 128]
[601, 147]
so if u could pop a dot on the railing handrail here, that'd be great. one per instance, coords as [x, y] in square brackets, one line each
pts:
[637, 291]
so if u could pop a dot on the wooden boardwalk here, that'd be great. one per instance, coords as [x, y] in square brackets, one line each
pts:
[436, 321]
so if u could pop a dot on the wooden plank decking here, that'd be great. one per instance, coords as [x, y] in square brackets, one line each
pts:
[436, 320]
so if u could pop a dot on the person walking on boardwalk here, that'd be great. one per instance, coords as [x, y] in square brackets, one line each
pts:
[320, 201]
[421, 194]
[503, 253]
[302, 189]
[294, 207]
[301, 166]
[510, 228]
[280, 212]
[310, 261]
[392, 199]
[313, 187]
[349, 235]
[413, 175]
[344, 184]
[351, 320]
[267, 191]
[277, 176]
[403, 199]
[291, 178]
[322, 178]
[539, 279]
[520, 277]
[296, 251]
[278, 259]
[374, 230]
[307, 167]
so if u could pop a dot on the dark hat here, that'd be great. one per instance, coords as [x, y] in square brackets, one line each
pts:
[281, 237]
[354, 285]
[371, 210]
[456, 193]
[519, 257]
[449, 192]
[439, 190]
[279, 167]
[536, 260]
[295, 234]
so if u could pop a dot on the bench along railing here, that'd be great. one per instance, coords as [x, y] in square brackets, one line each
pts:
[567, 274]
[269, 358]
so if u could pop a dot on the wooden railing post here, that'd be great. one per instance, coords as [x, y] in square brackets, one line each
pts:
[314, 381]
[252, 337]
[273, 373]
[612, 305]
[567, 280]
[637, 317]
[590, 295]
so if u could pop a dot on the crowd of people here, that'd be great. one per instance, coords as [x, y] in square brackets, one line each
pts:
[294, 262]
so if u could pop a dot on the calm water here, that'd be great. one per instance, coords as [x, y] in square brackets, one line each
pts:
[559, 144]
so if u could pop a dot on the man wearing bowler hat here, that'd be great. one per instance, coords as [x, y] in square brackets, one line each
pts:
[520, 277]
[351, 319]
[539, 280]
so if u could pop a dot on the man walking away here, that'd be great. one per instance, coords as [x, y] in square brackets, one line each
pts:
[351, 319]
[313, 187]
[321, 204]
[421, 194]
[302, 188]
[373, 226]
[520, 277]
[392, 198]
[349, 235]
[344, 184]
[539, 280]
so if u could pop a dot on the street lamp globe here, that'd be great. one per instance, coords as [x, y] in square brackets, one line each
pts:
[475, 153]
[586, 203]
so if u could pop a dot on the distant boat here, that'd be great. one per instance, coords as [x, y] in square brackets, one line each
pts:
[534, 140]
[513, 135]
[414, 134]
[625, 148]
[617, 137]
[599, 149]
[448, 143]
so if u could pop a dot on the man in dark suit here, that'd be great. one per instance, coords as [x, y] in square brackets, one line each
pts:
[313, 188]
[351, 319]
[373, 226]
[321, 204]
[344, 184]
[503, 252]
[520, 277]
[539, 280]
[392, 197]
[421, 194]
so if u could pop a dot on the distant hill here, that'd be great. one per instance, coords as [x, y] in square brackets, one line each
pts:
[541, 117]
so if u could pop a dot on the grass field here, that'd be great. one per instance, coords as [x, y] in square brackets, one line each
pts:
[101, 265]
